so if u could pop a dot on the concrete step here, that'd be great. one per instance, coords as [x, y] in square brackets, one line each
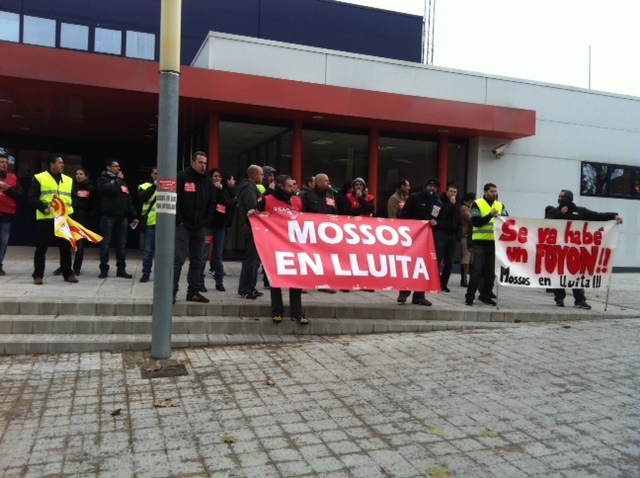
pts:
[99, 309]
[65, 335]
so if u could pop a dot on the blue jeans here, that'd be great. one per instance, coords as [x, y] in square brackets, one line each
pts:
[79, 257]
[149, 249]
[218, 234]
[250, 265]
[5, 232]
[189, 243]
[113, 229]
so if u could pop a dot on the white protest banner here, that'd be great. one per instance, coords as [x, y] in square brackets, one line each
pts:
[554, 254]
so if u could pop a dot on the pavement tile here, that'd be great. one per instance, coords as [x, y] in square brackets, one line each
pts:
[362, 409]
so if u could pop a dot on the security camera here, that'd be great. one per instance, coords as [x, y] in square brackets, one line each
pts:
[499, 150]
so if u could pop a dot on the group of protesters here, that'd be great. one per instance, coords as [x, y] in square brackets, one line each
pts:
[206, 205]
[68, 209]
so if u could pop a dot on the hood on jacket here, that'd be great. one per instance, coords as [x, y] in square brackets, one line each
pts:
[567, 199]
[358, 180]
[267, 171]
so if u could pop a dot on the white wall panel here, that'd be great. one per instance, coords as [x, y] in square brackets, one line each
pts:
[582, 143]
[567, 105]
[266, 59]
[404, 79]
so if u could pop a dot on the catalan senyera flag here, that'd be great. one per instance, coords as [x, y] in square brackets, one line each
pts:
[67, 228]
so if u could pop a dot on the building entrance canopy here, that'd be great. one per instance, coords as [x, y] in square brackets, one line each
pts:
[58, 93]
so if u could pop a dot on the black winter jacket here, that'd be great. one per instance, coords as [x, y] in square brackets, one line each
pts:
[449, 221]
[580, 214]
[224, 201]
[114, 197]
[248, 196]
[196, 200]
[423, 206]
[84, 202]
[322, 202]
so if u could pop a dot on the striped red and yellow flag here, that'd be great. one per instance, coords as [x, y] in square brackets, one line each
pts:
[67, 228]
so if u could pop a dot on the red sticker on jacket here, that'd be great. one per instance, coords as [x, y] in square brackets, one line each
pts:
[189, 187]
[83, 193]
[221, 208]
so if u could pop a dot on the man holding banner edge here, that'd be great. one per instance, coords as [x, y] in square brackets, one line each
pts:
[567, 210]
[283, 201]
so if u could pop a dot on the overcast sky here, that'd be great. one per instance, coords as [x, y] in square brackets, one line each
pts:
[542, 40]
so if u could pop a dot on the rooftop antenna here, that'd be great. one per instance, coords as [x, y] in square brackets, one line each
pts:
[428, 31]
[589, 66]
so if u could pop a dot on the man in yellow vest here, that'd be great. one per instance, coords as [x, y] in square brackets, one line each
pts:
[44, 187]
[483, 214]
[147, 196]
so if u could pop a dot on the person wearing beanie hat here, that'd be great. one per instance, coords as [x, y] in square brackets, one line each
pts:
[358, 201]
[434, 182]
[269, 183]
[423, 206]
[567, 210]
[10, 192]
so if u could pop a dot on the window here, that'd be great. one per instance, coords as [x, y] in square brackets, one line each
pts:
[341, 154]
[610, 180]
[75, 37]
[409, 157]
[39, 31]
[141, 45]
[108, 41]
[9, 26]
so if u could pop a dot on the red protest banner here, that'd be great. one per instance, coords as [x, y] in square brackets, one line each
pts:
[308, 251]
[554, 254]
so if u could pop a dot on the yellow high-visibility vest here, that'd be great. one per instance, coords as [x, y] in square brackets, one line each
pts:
[485, 233]
[151, 217]
[49, 188]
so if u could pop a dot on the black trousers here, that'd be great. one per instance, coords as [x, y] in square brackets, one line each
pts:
[482, 271]
[46, 236]
[295, 302]
[578, 295]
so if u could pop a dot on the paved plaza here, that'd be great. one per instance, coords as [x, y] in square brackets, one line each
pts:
[529, 400]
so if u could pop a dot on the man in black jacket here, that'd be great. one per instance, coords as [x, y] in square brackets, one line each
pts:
[567, 210]
[448, 233]
[194, 209]
[320, 199]
[116, 210]
[483, 214]
[248, 196]
[424, 206]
